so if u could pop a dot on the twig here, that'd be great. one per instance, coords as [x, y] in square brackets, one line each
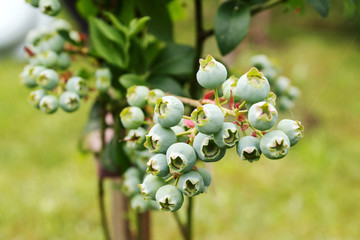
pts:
[102, 209]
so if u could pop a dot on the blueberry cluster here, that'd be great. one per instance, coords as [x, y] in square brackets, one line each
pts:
[179, 143]
[49, 7]
[285, 92]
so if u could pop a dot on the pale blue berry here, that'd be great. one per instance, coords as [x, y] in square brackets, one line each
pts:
[50, 7]
[260, 62]
[169, 110]
[136, 96]
[177, 130]
[169, 198]
[48, 58]
[78, 85]
[271, 98]
[130, 186]
[27, 76]
[48, 79]
[154, 95]
[293, 92]
[132, 117]
[275, 144]
[136, 138]
[150, 186]
[285, 103]
[53, 42]
[208, 118]
[229, 86]
[157, 165]
[103, 79]
[181, 157]
[248, 148]
[139, 204]
[69, 101]
[191, 183]
[211, 73]
[270, 73]
[228, 136]
[34, 3]
[60, 25]
[49, 104]
[293, 129]
[281, 85]
[206, 177]
[63, 61]
[206, 148]
[262, 115]
[159, 139]
[35, 97]
[132, 172]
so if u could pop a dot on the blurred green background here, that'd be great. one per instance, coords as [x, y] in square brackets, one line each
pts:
[48, 189]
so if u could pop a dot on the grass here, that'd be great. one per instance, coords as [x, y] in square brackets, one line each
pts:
[48, 189]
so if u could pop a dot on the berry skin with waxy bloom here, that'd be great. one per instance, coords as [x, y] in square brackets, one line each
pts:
[48, 58]
[228, 136]
[78, 85]
[169, 198]
[206, 148]
[282, 84]
[130, 186]
[35, 97]
[150, 186]
[208, 118]
[229, 86]
[154, 95]
[139, 204]
[177, 130]
[48, 79]
[157, 165]
[191, 184]
[253, 86]
[262, 115]
[49, 104]
[159, 139]
[132, 172]
[136, 96]
[63, 61]
[260, 62]
[103, 79]
[211, 73]
[275, 144]
[181, 157]
[206, 177]
[169, 111]
[293, 129]
[28, 78]
[50, 7]
[136, 138]
[132, 117]
[248, 148]
[69, 101]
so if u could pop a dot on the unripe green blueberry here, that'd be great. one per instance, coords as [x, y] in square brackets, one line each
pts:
[132, 117]
[150, 186]
[191, 184]
[34, 36]
[211, 73]
[136, 138]
[103, 79]
[48, 79]
[293, 93]
[228, 136]
[206, 148]
[78, 85]
[169, 198]
[159, 139]
[136, 96]
[132, 172]
[169, 110]
[248, 148]
[229, 86]
[50, 7]
[177, 129]
[130, 186]
[69, 101]
[60, 24]
[141, 158]
[157, 165]
[34, 3]
[49, 104]
[48, 58]
[293, 129]
[63, 61]
[206, 177]
[75, 36]
[262, 115]
[35, 97]
[253, 86]
[208, 118]
[270, 73]
[271, 98]
[181, 157]
[282, 84]
[260, 61]
[139, 204]
[52, 42]
[27, 76]
[285, 103]
[275, 144]
[154, 95]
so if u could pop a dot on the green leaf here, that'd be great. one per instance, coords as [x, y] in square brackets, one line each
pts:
[231, 25]
[129, 79]
[321, 6]
[175, 59]
[177, 10]
[165, 83]
[108, 43]
[137, 25]
[121, 27]
[160, 23]
[86, 8]
[255, 2]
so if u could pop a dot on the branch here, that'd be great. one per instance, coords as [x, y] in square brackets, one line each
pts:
[102, 209]
[188, 101]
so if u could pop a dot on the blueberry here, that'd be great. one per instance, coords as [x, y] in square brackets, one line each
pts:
[260, 61]
[248, 148]
[48, 58]
[49, 104]
[50, 7]
[136, 96]
[182, 138]
[293, 129]
[78, 85]
[48, 79]
[34, 3]
[169, 110]
[139, 204]
[271, 98]
[157, 165]
[275, 144]
[253, 86]
[262, 115]
[285, 103]
[181, 157]
[130, 186]
[27, 76]
[191, 183]
[270, 73]
[35, 97]
[206, 177]
[52, 42]
[132, 172]
[206, 148]
[228, 136]
[60, 24]
[169, 198]
[154, 95]
[132, 117]
[293, 93]
[211, 73]
[103, 79]
[159, 139]
[150, 186]
[63, 61]
[208, 118]
[69, 101]
[229, 86]
[136, 138]
[281, 85]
